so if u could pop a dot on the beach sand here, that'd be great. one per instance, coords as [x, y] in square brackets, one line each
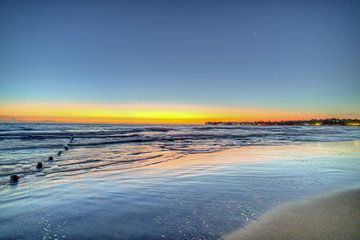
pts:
[334, 216]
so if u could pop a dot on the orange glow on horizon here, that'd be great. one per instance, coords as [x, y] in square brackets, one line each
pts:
[137, 113]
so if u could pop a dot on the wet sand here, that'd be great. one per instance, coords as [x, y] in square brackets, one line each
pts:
[195, 196]
[334, 216]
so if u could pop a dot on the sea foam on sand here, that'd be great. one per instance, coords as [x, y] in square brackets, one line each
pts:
[335, 216]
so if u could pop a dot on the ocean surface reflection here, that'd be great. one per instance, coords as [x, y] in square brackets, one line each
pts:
[160, 189]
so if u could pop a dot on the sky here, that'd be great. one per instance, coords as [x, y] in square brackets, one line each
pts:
[178, 61]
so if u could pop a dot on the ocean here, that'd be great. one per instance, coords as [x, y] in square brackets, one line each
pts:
[162, 181]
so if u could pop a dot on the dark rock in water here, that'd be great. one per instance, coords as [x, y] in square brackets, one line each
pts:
[51, 158]
[66, 148]
[39, 165]
[59, 153]
[14, 178]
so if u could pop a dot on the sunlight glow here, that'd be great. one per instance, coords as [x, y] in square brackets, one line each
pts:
[136, 113]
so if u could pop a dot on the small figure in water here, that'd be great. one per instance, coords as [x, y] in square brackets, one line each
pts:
[71, 139]
[51, 158]
[66, 148]
[39, 165]
[14, 178]
[59, 153]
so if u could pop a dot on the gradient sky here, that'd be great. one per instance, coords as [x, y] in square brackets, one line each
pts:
[295, 56]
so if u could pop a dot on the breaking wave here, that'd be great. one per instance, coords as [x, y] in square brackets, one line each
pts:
[86, 147]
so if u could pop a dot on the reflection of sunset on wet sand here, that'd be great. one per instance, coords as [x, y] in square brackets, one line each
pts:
[209, 163]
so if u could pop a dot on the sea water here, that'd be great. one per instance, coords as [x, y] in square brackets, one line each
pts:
[162, 181]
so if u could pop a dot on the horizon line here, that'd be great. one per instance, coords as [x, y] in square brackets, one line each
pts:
[155, 123]
[150, 113]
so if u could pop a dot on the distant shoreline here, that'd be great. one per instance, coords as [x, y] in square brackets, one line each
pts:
[312, 122]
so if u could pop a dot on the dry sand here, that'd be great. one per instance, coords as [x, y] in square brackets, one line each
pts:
[335, 216]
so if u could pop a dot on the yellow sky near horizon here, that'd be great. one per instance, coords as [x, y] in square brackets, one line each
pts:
[139, 113]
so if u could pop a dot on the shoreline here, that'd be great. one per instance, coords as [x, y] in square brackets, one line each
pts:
[197, 196]
[253, 154]
[333, 215]
[239, 155]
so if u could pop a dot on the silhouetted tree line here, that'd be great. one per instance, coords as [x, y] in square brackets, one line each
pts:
[312, 122]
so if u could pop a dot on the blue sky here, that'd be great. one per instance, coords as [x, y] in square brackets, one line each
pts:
[271, 54]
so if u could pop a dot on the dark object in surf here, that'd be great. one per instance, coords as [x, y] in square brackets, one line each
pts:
[66, 148]
[39, 165]
[14, 178]
[51, 158]
[59, 153]
[71, 139]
